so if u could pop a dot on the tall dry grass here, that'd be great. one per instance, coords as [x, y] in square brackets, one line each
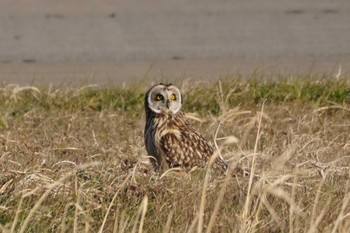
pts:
[73, 160]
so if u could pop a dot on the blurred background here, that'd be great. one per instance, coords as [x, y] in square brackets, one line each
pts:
[70, 41]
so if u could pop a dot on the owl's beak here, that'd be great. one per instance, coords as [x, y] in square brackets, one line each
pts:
[167, 103]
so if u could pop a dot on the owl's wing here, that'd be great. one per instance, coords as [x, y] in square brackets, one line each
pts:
[187, 149]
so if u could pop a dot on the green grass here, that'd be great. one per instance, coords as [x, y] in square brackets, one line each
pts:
[74, 158]
[201, 98]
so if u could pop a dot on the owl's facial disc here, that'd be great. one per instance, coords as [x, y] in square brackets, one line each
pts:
[165, 99]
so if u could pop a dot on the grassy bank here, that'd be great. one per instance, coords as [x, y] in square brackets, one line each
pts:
[73, 159]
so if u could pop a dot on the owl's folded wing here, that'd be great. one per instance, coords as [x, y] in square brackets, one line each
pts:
[186, 150]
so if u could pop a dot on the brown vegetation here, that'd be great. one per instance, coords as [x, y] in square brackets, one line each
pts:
[73, 159]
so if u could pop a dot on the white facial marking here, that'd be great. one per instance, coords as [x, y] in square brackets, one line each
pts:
[153, 109]
[165, 105]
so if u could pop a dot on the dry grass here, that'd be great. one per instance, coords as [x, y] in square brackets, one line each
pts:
[73, 160]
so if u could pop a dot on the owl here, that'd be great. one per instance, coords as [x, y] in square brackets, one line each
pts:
[169, 138]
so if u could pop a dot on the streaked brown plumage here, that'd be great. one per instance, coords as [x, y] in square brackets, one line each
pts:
[169, 138]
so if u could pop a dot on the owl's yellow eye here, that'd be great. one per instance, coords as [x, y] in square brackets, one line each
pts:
[172, 97]
[159, 97]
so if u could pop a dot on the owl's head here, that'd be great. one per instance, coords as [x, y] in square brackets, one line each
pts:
[163, 98]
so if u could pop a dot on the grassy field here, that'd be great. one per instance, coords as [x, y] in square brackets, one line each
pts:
[73, 159]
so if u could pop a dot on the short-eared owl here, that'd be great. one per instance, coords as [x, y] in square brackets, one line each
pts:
[169, 138]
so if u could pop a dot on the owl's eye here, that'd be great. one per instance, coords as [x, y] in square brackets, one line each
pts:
[159, 97]
[172, 97]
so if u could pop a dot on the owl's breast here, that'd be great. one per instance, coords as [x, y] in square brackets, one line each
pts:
[166, 126]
